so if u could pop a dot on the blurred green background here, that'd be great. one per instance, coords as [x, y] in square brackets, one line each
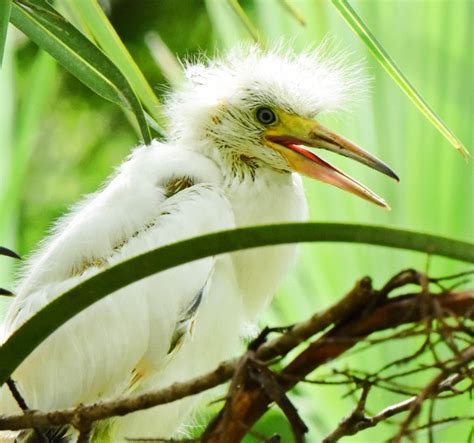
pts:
[59, 140]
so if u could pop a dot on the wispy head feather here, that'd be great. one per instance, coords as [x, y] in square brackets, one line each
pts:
[306, 84]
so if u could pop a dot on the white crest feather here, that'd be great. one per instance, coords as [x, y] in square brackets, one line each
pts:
[314, 81]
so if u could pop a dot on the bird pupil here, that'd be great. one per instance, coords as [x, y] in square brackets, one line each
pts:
[265, 116]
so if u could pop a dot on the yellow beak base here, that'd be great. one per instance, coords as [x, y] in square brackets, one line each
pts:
[290, 132]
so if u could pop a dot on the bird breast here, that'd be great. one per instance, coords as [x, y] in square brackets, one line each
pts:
[270, 197]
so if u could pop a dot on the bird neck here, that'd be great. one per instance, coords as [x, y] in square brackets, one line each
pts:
[258, 194]
[238, 168]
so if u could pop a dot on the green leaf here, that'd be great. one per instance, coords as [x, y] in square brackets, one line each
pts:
[5, 8]
[243, 17]
[361, 29]
[78, 55]
[164, 58]
[23, 341]
[99, 26]
[294, 12]
[9, 253]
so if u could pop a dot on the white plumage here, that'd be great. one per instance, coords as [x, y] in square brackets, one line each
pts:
[225, 165]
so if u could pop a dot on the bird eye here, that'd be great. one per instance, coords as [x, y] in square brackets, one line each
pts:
[266, 116]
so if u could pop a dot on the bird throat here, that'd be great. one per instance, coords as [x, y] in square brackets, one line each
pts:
[246, 168]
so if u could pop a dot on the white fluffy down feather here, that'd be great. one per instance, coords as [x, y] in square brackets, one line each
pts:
[217, 171]
[121, 344]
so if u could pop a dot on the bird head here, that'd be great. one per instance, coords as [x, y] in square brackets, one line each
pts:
[261, 107]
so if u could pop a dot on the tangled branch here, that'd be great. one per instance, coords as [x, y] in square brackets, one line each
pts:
[256, 385]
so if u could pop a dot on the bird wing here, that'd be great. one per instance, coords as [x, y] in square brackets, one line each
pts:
[159, 196]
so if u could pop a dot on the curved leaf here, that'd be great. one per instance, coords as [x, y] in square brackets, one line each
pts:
[100, 27]
[20, 344]
[9, 253]
[244, 18]
[78, 55]
[5, 7]
[291, 9]
[361, 29]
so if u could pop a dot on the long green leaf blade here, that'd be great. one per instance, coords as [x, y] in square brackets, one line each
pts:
[79, 56]
[247, 23]
[100, 27]
[164, 58]
[5, 8]
[291, 9]
[73, 61]
[360, 28]
[51, 317]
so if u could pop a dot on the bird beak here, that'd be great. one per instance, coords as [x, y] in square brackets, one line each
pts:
[291, 132]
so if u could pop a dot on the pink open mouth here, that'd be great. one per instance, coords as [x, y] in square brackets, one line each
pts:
[309, 164]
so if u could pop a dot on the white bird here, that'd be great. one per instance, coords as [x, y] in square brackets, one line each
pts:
[233, 158]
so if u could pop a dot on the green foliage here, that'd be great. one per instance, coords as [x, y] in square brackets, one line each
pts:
[5, 8]
[78, 55]
[60, 310]
[98, 25]
[44, 112]
[360, 28]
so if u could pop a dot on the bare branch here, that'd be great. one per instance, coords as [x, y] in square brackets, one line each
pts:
[350, 425]
[464, 357]
[253, 402]
[176, 391]
[358, 420]
[122, 405]
[254, 386]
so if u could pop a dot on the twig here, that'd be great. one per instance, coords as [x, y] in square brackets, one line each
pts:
[466, 356]
[442, 421]
[351, 321]
[352, 422]
[85, 435]
[16, 395]
[122, 405]
[343, 309]
[23, 406]
[393, 312]
[358, 421]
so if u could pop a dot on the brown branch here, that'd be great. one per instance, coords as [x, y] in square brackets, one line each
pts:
[16, 395]
[122, 405]
[464, 357]
[363, 311]
[353, 421]
[224, 372]
[251, 403]
[23, 406]
[358, 421]
[85, 435]
[360, 296]
[443, 421]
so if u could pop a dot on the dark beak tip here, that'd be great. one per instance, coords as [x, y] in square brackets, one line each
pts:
[389, 172]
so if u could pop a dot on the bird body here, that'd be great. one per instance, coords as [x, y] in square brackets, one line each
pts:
[232, 159]
[128, 345]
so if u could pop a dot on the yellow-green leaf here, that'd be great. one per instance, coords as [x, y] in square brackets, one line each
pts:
[24, 340]
[77, 54]
[360, 28]
[99, 26]
[5, 7]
